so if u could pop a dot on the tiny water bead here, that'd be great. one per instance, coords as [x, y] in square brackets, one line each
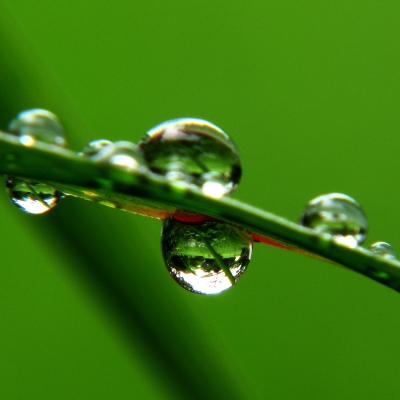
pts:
[32, 197]
[34, 126]
[123, 154]
[207, 257]
[93, 148]
[338, 215]
[38, 125]
[382, 249]
[187, 149]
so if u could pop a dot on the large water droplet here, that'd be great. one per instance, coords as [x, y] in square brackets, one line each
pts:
[34, 126]
[338, 215]
[37, 125]
[207, 257]
[382, 249]
[198, 145]
[32, 197]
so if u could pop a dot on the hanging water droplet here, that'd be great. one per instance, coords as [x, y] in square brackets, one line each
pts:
[197, 144]
[32, 197]
[33, 126]
[382, 249]
[338, 215]
[37, 125]
[206, 257]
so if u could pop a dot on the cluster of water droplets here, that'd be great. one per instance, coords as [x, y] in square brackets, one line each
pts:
[202, 254]
[122, 154]
[34, 126]
[341, 218]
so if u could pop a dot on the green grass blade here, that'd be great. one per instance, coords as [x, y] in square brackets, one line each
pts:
[151, 195]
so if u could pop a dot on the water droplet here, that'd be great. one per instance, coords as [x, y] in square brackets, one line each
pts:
[93, 148]
[338, 215]
[206, 257]
[33, 126]
[197, 144]
[125, 155]
[32, 197]
[37, 125]
[382, 249]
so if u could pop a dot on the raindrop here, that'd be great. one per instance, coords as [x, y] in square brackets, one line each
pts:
[206, 257]
[198, 145]
[338, 215]
[32, 197]
[34, 126]
[382, 249]
[38, 125]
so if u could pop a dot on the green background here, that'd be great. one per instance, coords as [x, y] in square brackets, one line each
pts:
[310, 92]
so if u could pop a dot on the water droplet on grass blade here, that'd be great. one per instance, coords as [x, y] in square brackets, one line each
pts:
[207, 257]
[338, 215]
[382, 249]
[32, 197]
[123, 154]
[34, 126]
[93, 148]
[197, 144]
[38, 125]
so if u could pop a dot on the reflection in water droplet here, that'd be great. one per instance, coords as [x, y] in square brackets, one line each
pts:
[32, 197]
[177, 172]
[338, 215]
[197, 144]
[207, 257]
[38, 125]
[382, 249]
[34, 126]
[213, 185]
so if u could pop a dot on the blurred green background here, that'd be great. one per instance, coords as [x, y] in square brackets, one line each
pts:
[309, 91]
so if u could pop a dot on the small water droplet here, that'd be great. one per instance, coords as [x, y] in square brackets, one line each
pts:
[125, 155]
[338, 215]
[37, 125]
[206, 257]
[93, 148]
[33, 126]
[382, 249]
[197, 144]
[32, 197]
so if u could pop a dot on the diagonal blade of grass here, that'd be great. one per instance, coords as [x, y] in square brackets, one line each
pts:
[148, 194]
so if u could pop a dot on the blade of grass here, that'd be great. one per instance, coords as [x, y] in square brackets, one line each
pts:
[151, 195]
